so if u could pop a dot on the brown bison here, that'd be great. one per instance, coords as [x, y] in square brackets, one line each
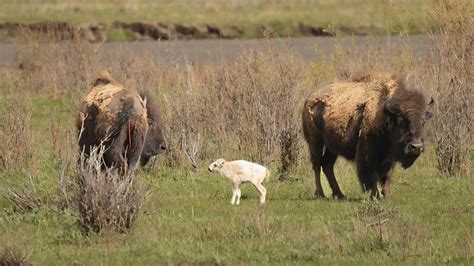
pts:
[126, 123]
[372, 119]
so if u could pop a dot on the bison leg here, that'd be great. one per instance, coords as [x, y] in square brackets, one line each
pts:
[386, 180]
[134, 152]
[114, 155]
[316, 152]
[368, 180]
[365, 158]
[374, 192]
[328, 161]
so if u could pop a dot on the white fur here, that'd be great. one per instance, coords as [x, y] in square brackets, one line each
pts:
[242, 171]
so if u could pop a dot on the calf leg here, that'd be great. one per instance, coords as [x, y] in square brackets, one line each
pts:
[328, 161]
[235, 194]
[262, 190]
[239, 193]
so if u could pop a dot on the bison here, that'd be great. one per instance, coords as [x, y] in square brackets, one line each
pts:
[372, 119]
[127, 124]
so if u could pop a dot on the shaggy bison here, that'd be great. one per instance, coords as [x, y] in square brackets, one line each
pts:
[125, 122]
[372, 119]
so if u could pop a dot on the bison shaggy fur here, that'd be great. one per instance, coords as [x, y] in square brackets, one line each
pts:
[372, 119]
[126, 123]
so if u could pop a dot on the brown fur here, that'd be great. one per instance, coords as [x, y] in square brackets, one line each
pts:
[155, 143]
[372, 119]
[116, 117]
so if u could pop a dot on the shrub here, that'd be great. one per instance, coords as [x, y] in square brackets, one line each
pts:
[25, 199]
[104, 199]
[13, 256]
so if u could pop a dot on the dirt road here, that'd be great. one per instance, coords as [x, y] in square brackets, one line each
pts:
[207, 51]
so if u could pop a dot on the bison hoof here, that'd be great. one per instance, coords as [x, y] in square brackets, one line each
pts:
[386, 194]
[319, 195]
[338, 196]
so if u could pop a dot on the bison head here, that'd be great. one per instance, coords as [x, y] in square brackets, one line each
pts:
[407, 115]
[155, 143]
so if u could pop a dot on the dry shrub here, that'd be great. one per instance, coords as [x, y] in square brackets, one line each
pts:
[188, 113]
[17, 157]
[454, 41]
[13, 256]
[372, 54]
[247, 109]
[259, 95]
[16, 138]
[25, 199]
[103, 199]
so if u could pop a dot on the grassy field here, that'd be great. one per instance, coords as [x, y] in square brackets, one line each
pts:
[188, 219]
[282, 16]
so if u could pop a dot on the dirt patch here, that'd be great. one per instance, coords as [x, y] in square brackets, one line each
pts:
[163, 31]
[56, 30]
[310, 30]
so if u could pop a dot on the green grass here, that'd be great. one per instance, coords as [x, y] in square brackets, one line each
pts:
[386, 16]
[188, 218]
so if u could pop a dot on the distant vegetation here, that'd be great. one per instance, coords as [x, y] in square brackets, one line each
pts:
[248, 17]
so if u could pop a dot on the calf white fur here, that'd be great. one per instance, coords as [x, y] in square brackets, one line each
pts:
[242, 171]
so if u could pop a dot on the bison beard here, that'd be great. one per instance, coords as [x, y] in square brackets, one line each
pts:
[372, 120]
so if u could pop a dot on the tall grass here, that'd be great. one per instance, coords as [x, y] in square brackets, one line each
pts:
[454, 74]
[245, 109]
[16, 137]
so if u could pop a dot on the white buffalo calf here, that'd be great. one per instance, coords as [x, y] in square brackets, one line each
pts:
[242, 171]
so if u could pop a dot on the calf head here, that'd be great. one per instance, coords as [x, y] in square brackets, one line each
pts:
[155, 143]
[216, 165]
[408, 114]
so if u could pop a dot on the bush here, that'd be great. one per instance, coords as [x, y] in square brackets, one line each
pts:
[13, 256]
[102, 198]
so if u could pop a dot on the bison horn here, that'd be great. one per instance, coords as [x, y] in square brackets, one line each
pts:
[431, 103]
